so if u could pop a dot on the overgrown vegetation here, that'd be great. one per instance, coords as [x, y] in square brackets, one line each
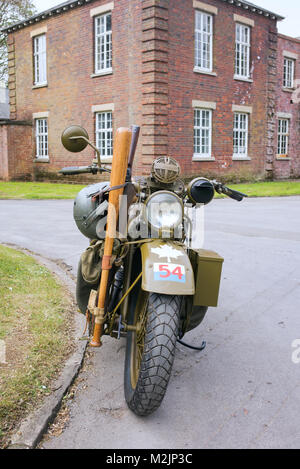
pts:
[35, 328]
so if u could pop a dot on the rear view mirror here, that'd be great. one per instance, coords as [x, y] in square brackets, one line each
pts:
[75, 138]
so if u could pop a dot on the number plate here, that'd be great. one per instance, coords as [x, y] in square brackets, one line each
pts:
[169, 272]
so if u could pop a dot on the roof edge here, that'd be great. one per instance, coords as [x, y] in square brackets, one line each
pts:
[289, 38]
[70, 4]
[57, 10]
[255, 9]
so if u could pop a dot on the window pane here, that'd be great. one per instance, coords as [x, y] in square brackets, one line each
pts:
[103, 43]
[203, 40]
[240, 134]
[242, 51]
[202, 132]
[283, 137]
[41, 136]
[104, 134]
[40, 59]
[288, 73]
[108, 23]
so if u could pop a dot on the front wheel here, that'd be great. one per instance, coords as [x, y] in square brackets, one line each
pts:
[150, 350]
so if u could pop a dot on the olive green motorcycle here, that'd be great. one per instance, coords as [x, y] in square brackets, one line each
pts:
[158, 281]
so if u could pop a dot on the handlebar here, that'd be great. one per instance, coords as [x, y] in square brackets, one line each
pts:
[94, 169]
[70, 170]
[222, 189]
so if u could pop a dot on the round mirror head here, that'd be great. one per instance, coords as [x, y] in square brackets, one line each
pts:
[200, 191]
[74, 144]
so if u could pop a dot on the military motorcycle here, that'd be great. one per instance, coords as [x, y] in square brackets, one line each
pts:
[143, 275]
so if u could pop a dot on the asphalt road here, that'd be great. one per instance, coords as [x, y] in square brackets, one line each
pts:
[243, 390]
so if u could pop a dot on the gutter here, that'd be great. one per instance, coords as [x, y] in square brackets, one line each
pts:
[71, 4]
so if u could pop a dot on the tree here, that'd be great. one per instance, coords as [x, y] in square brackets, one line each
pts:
[11, 12]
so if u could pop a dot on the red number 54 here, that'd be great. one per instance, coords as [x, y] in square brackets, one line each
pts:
[165, 268]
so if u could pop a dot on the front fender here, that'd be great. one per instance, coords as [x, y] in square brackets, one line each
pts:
[166, 268]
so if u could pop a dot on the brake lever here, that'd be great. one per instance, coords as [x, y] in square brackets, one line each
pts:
[104, 170]
[218, 186]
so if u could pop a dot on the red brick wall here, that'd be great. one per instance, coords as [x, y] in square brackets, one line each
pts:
[15, 146]
[186, 85]
[153, 84]
[289, 103]
[4, 174]
[19, 147]
[155, 99]
[3, 153]
[71, 92]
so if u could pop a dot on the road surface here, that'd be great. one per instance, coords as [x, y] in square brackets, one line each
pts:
[243, 390]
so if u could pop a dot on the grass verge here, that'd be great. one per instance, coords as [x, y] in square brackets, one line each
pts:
[38, 190]
[43, 190]
[35, 335]
[269, 189]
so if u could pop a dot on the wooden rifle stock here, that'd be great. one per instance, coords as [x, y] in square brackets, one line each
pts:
[117, 178]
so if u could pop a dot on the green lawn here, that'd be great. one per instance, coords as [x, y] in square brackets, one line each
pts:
[43, 190]
[38, 190]
[269, 189]
[34, 326]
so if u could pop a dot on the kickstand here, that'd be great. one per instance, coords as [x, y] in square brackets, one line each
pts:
[202, 347]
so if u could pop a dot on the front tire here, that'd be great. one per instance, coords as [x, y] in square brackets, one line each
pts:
[150, 350]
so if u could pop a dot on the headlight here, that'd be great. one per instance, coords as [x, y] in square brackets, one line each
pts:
[164, 210]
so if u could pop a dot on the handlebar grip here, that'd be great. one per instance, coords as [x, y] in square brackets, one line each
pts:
[234, 194]
[75, 170]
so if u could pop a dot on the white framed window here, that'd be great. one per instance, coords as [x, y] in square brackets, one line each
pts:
[40, 60]
[203, 41]
[242, 50]
[240, 135]
[104, 135]
[288, 73]
[103, 43]
[41, 138]
[202, 134]
[283, 138]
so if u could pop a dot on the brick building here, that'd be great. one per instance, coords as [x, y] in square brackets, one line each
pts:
[287, 160]
[203, 79]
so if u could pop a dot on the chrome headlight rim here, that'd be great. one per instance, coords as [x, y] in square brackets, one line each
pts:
[170, 226]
